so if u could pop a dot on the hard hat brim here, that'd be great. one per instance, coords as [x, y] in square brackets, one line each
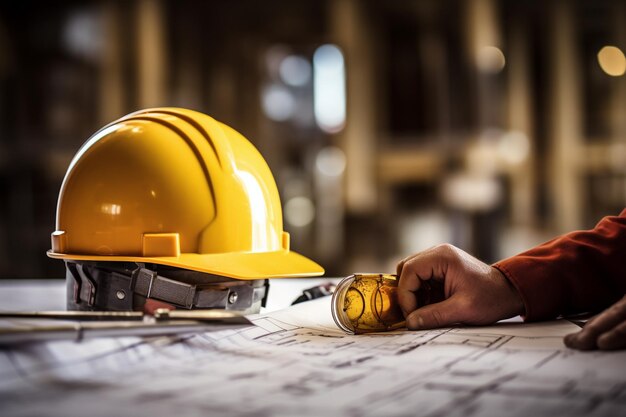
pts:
[245, 266]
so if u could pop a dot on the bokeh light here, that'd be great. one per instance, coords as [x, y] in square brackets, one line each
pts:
[612, 61]
[490, 59]
[295, 70]
[329, 88]
[278, 103]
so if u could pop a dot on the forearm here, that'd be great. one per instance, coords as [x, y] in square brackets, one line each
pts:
[583, 271]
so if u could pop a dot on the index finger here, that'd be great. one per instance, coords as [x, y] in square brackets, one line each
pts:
[412, 271]
[431, 263]
[406, 287]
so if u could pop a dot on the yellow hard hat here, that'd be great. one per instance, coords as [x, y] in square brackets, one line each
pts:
[175, 187]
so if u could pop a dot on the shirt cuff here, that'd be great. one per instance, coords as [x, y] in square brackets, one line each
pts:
[539, 295]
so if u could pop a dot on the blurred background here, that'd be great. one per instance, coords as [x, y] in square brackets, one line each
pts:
[390, 126]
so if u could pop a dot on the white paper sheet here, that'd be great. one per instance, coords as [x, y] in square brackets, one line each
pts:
[295, 362]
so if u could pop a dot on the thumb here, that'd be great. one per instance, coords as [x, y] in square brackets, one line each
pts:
[442, 314]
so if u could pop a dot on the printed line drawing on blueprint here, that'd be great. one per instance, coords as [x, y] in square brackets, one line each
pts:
[296, 362]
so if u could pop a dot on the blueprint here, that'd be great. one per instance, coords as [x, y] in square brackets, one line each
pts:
[295, 362]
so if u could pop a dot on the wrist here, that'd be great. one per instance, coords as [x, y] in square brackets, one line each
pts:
[511, 296]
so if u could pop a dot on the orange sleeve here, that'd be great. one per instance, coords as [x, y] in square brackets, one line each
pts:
[582, 271]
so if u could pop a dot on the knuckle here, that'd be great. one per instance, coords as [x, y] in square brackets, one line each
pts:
[611, 340]
[407, 263]
[447, 250]
[620, 329]
[591, 328]
[444, 247]
[410, 266]
[437, 318]
[620, 307]
[404, 270]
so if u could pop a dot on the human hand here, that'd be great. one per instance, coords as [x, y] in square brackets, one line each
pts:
[607, 331]
[444, 285]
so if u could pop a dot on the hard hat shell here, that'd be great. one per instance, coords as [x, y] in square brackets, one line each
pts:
[175, 187]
